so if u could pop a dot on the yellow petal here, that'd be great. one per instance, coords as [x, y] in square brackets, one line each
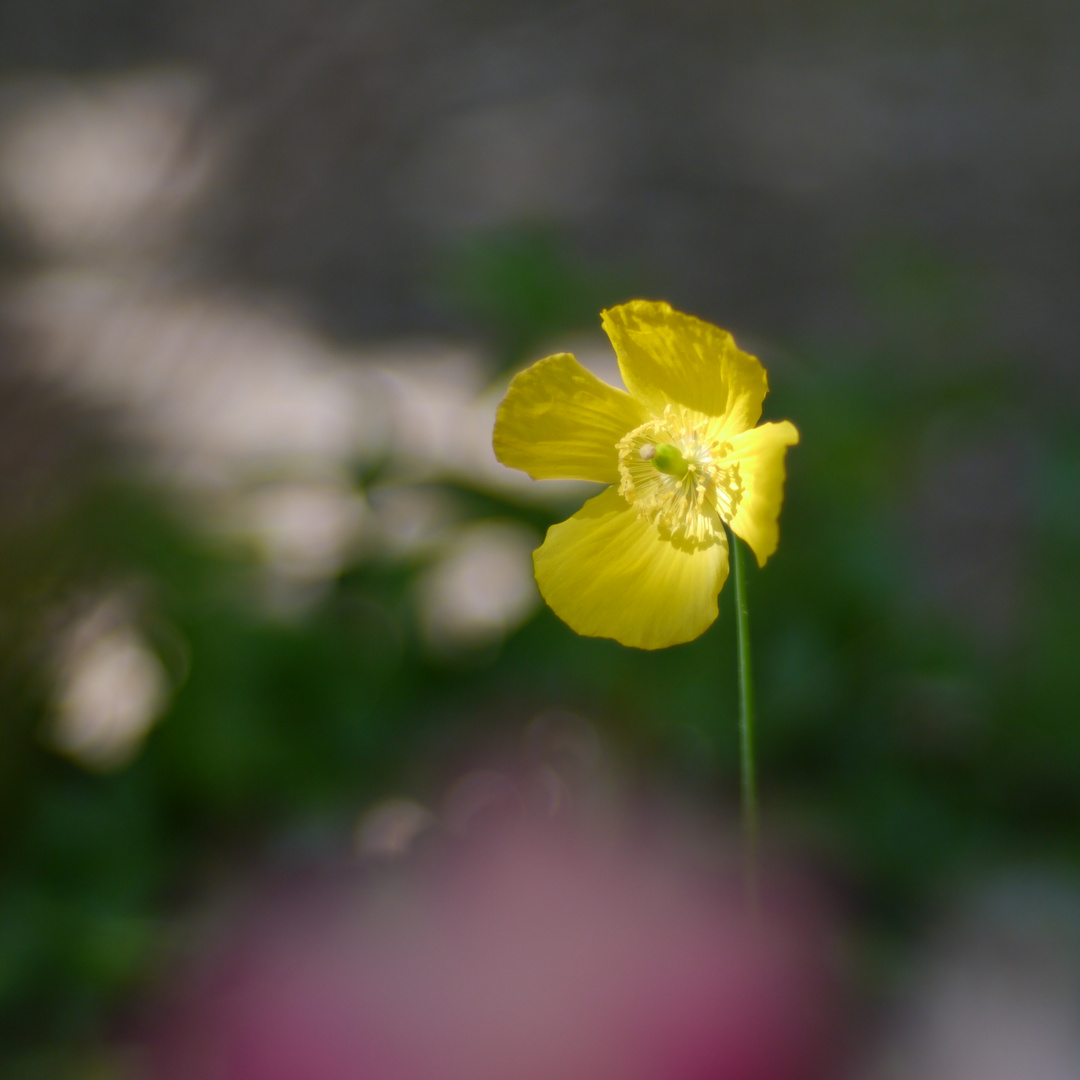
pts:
[559, 421]
[760, 457]
[666, 356]
[607, 572]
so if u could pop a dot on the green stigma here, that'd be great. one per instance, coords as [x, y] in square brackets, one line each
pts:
[668, 459]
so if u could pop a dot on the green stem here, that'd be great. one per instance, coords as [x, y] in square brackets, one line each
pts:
[747, 757]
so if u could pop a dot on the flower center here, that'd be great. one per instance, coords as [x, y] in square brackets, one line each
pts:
[675, 471]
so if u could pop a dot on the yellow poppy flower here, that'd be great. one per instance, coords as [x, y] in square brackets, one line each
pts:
[644, 561]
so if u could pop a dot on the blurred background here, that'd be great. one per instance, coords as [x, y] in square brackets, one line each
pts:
[266, 596]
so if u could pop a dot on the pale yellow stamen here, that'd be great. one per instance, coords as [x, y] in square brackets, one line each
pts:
[675, 471]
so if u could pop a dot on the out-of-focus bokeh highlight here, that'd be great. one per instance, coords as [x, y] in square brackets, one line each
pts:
[266, 595]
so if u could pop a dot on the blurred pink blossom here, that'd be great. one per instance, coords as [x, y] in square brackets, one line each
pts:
[531, 952]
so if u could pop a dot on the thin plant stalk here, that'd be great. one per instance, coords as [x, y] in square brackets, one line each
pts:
[747, 750]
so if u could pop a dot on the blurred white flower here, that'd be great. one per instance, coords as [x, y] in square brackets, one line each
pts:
[102, 166]
[218, 392]
[222, 393]
[110, 688]
[303, 532]
[481, 589]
